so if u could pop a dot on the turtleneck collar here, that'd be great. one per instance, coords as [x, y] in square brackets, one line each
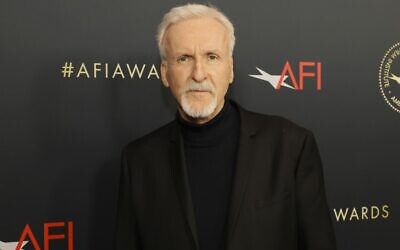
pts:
[224, 124]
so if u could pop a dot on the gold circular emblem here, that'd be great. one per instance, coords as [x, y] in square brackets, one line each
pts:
[389, 77]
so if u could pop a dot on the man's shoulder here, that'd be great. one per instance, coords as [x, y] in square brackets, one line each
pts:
[278, 131]
[273, 123]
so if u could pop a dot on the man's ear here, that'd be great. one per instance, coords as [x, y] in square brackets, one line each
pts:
[232, 74]
[163, 69]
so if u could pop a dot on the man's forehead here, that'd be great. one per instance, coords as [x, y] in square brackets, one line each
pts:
[205, 32]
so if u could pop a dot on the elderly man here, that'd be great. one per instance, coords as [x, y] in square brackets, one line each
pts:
[218, 176]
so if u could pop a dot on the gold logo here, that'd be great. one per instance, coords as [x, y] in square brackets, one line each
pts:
[389, 77]
[108, 71]
[370, 212]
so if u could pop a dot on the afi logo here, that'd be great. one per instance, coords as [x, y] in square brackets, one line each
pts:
[306, 69]
[67, 236]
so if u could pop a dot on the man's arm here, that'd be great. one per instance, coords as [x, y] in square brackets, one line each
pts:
[314, 222]
[126, 231]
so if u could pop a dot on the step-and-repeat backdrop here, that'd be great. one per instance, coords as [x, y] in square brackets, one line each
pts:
[80, 79]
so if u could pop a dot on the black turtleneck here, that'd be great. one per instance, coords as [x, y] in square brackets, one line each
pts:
[210, 152]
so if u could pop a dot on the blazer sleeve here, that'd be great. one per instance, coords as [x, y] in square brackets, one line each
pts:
[126, 230]
[314, 221]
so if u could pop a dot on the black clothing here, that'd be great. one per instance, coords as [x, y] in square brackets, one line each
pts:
[210, 151]
[277, 199]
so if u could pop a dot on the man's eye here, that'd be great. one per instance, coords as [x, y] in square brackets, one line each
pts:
[183, 59]
[212, 57]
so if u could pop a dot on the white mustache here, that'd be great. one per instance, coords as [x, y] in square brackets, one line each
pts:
[199, 86]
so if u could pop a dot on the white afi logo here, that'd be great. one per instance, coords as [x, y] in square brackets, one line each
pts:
[271, 79]
[11, 245]
[307, 70]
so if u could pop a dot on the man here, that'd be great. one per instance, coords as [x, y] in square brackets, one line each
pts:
[218, 176]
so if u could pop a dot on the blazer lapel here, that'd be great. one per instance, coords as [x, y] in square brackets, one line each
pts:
[248, 129]
[179, 173]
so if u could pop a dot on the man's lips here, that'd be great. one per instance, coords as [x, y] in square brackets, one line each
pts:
[199, 91]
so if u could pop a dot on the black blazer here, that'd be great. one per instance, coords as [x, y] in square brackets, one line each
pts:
[277, 203]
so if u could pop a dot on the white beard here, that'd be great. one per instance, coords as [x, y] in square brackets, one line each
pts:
[204, 111]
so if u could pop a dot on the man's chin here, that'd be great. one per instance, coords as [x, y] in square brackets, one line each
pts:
[196, 108]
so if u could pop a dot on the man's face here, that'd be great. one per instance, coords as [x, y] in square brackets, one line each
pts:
[198, 67]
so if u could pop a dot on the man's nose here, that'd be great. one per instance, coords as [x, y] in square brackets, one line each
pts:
[199, 73]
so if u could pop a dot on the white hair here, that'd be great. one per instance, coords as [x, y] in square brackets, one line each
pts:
[204, 111]
[188, 11]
